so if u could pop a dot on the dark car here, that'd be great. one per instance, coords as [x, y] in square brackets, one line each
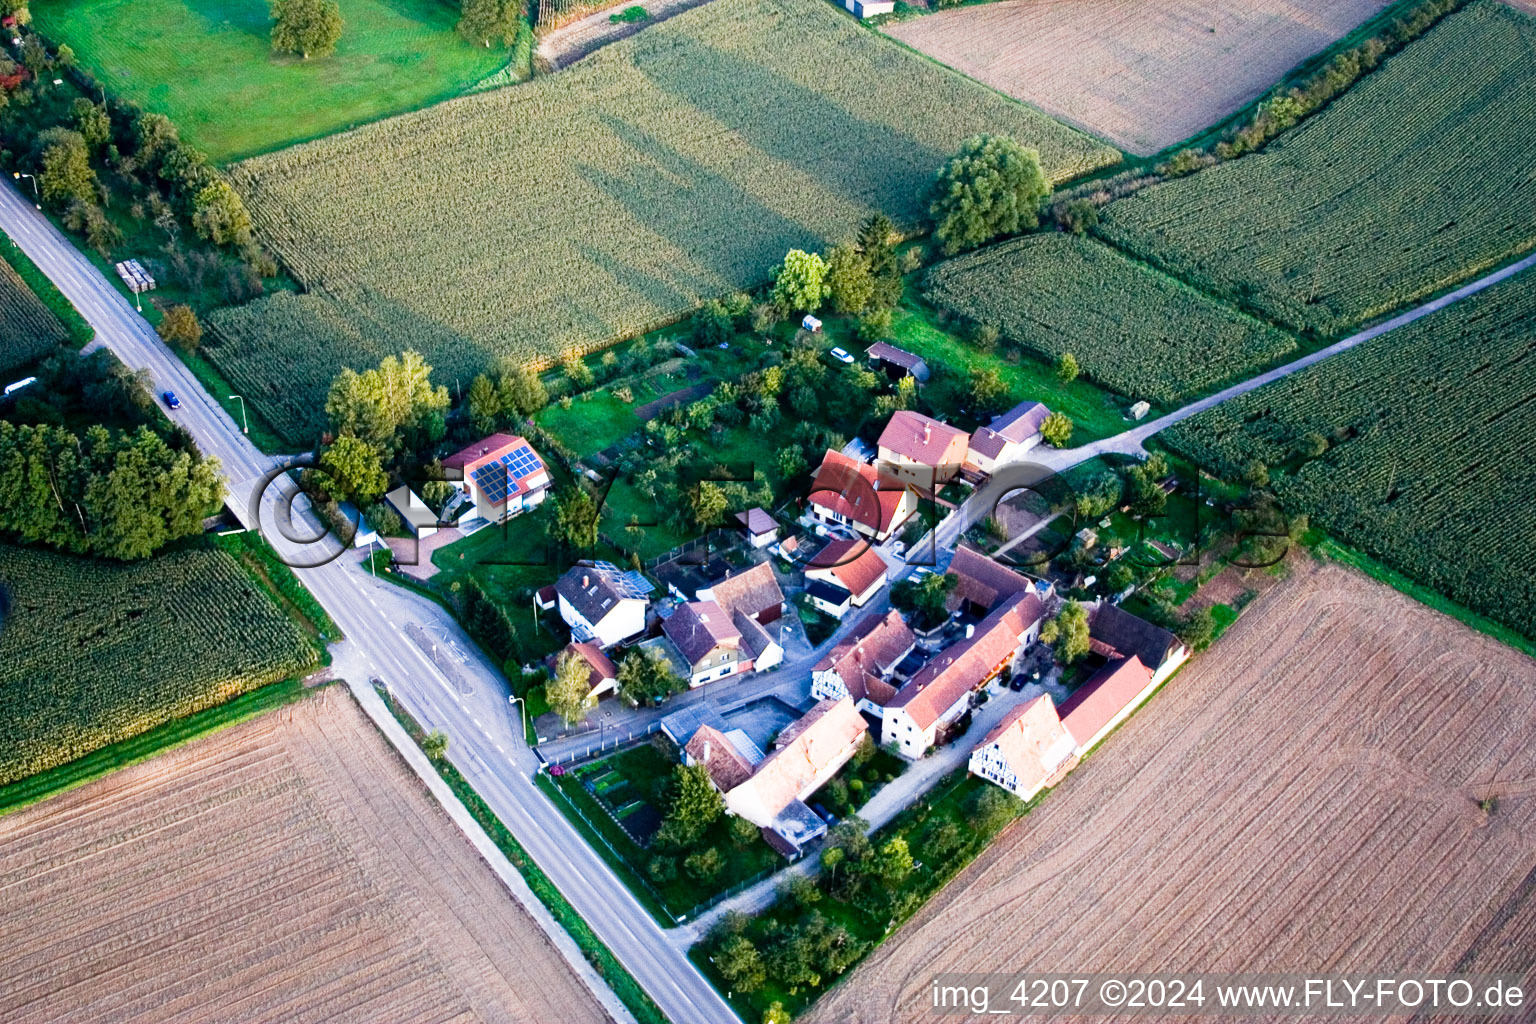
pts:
[171, 401]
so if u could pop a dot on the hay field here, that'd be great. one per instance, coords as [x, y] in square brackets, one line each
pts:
[602, 201]
[288, 869]
[1144, 76]
[1303, 796]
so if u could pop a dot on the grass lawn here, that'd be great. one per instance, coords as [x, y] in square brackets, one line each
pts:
[591, 423]
[208, 65]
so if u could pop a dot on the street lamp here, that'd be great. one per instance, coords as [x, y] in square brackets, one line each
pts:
[512, 699]
[245, 422]
[18, 175]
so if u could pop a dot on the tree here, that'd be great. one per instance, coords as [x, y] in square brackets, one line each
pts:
[570, 692]
[894, 862]
[645, 675]
[66, 174]
[1311, 445]
[740, 965]
[791, 462]
[1256, 473]
[378, 405]
[850, 285]
[576, 519]
[990, 809]
[695, 806]
[1071, 633]
[709, 504]
[179, 327]
[306, 27]
[987, 389]
[1078, 216]
[992, 187]
[1066, 368]
[219, 215]
[91, 122]
[1056, 429]
[984, 337]
[926, 598]
[435, 745]
[776, 1014]
[875, 325]
[877, 241]
[1144, 487]
[356, 468]
[523, 391]
[1198, 630]
[484, 403]
[483, 21]
[800, 282]
[704, 865]
[743, 832]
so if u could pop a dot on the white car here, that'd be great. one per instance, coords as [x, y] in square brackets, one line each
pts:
[841, 355]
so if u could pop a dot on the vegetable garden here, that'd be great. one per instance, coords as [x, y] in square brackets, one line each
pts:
[1131, 328]
[595, 204]
[28, 330]
[93, 652]
[1411, 182]
[1424, 435]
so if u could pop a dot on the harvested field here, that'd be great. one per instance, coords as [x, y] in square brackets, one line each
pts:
[1144, 76]
[287, 869]
[1305, 796]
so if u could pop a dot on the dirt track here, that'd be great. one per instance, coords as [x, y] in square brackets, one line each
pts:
[1144, 76]
[1303, 797]
[288, 869]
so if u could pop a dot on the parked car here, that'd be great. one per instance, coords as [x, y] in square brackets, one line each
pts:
[1017, 683]
[171, 401]
[841, 355]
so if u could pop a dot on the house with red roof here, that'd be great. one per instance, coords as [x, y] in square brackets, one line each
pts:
[847, 492]
[1105, 700]
[921, 450]
[931, 701]
[863, 665]
[501, 475]
[1029, 750]
[852, 567]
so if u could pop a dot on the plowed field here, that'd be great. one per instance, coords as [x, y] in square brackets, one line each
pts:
[1304, 796]
[288, 869]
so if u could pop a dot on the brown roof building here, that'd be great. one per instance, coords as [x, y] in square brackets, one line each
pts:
[602, 674]
[1008, 436]
[708, 640]
[1027, 751]
[727, 766]
[861, 666]
[754, 592]
[1115, 633]
[981, 583]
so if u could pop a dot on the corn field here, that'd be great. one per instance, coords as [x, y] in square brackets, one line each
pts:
[1429, 431]
[28, 330]
[93, 652]
[594, 204]
[1131, 328]
[1413, 181]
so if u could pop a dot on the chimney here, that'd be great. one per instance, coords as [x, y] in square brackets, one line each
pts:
[586, 581]
[927, 432]
[707, 745]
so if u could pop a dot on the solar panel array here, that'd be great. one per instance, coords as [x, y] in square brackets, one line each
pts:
[494, 478]
[628, 582]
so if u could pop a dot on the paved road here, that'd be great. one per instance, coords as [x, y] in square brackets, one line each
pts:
[471, 709]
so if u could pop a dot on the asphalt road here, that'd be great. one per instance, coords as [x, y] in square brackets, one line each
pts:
[471, 708]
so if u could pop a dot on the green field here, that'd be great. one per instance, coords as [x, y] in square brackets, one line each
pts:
[600, 202]
[95, 652]
[1131, 328]
[208, 65]
[1428, 470]
[28, 331]
[1413, 181]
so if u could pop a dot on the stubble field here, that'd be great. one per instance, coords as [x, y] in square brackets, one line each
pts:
[287, 869]
[1305, 796]
[1144, 76]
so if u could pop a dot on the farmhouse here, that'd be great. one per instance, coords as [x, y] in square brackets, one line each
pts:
[1006, 438]
[602, 604]
[1028, 751]
[863, 666]
[501, 475]
[1106, 700]
[898, 361]
[760, 528]
[602, 674]
[851, 566]
[922, 451]
[709, 642]
[981, 583]
[754, 593]
[1115, 633]
[939, 694]
[806, 756]
[847, 492]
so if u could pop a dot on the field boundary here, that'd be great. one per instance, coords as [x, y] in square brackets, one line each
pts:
[78, 329]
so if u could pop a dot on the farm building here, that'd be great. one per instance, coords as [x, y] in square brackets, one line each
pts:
[760, 528]
[935, 697]
[1006, 438]
[898, 361]
[501, 475]
[869, 8]
[847, 492]
[1028, 750]
[688, 576]
[921, 450]
[864, 665]
[852, 566]
[981, 583]
[601, 603]
[1105, 700]
[1115, 633]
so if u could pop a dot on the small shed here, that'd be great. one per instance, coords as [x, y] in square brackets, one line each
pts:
[870, 8]
[418, 518]
[760, 526]
[899, 359]
[1140, 409]
[810, 323]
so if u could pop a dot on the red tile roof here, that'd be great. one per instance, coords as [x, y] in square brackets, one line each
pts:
[966, 665]
[828, 732]
[1102, 697]
[856, 491]
[485, 449]
[727, 767]
[853, 563]
[924, 439]
[862, 658]
[1033, 741]
[752, 592]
